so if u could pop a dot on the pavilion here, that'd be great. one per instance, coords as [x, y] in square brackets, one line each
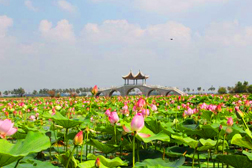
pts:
[135, 78]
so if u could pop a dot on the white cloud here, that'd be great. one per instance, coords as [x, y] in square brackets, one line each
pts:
[227, 34]
[120, 31]
[63, 31]
[66, 6]
[5, 23]
[30, 6]
[6, 42]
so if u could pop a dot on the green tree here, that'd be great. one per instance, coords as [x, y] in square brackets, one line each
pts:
[250, 88]
[5, 92]
[35, 92]
[241, 87]
[20, 91]
[212, 89]
[222, 90]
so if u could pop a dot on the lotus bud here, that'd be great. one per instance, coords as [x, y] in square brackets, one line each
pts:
[113, 118]
[140, 103]
[230, 121]
[97, 163]
[238, 113]
[94, 90]
[78, 139]
[137, 122]
[220, 127]
[218, 108]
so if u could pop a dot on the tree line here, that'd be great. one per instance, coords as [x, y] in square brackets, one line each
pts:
[51, 92]
[238, 88]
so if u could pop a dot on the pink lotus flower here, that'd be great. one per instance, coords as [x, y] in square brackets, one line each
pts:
[153, 107]
[134, 108]
[32, 118]
[230, 121]
[189, 111]
[108, 112]
[137, 122]
[6, 128]
[125, 107]
[113, 118]
[140, 103]
[203, 106]
[145, 112]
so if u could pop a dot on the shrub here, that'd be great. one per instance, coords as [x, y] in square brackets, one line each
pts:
[51, 93]
[222, 90]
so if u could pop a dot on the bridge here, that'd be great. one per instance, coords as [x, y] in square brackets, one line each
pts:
[145, 89]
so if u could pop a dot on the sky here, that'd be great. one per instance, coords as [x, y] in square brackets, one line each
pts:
[82, 43]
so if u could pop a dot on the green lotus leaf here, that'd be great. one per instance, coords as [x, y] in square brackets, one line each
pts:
[160, 136]
[63, 121]
[102, 147]
[34, 142]
[187, 140]
[108, 162]
[235, 160]
[90, 164]
[242, 141]
[249, 155]
[160, 163]
[207, 144]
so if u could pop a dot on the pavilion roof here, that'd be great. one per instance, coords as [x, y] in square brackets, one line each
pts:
[139, 75]
[129, 76]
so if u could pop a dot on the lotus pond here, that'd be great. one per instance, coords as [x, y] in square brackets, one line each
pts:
[134, 131]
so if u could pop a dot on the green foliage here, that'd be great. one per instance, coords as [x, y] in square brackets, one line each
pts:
[159, 163]
[34, 142]
[222, 90]
[250, 88]
[241, 87]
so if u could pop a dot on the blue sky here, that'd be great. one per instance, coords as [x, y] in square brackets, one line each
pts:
[78, 43]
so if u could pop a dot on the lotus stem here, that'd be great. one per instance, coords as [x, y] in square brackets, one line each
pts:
[81, 152]
[66, 140]
[223, 143]
[193, 157]
[115, 133]
[70, 156]
[138, 158]
[18, 162]
[208, 158]
[87, 146]
[198, 160]
[134, 139]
